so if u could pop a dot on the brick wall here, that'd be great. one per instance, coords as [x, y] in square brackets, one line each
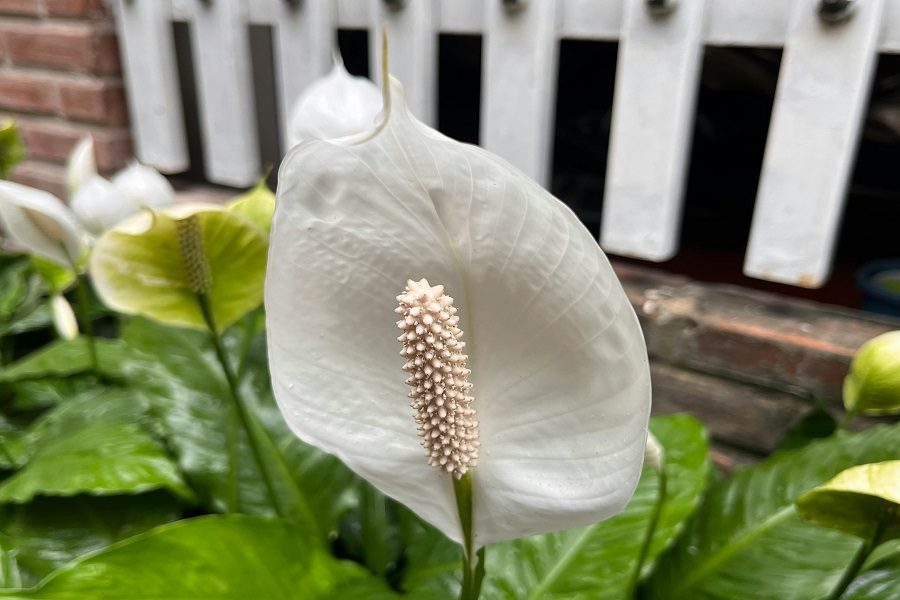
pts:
[749, 364]
[60, 78]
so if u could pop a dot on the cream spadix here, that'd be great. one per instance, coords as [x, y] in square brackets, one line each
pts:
[557, 359]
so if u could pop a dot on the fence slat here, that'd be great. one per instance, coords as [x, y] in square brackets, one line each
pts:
[412, 31]
[221, 50]
[151, 74]
[519, 84]
[303, 42]
[823, 88]
[657, 76]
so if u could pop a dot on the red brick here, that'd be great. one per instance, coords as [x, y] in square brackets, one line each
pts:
[41, 175]
[28, 92]
[53, 140]
[95, 101]
[73, 47]
[77, 8]
[20, 7]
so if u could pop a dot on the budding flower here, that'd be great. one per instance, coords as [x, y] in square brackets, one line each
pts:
[190, 245]
[653, 453]
[438, 377]
[873, 385]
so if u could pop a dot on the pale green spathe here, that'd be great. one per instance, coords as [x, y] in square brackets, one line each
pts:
[873, 385]
[137, 267]
[860, 501]
[257, 204]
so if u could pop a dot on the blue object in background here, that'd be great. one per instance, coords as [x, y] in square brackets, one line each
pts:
[879, 283]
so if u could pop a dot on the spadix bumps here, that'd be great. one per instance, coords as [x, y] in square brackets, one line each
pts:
[438, 377]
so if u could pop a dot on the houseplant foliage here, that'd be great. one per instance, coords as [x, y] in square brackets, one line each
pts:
[171, 472]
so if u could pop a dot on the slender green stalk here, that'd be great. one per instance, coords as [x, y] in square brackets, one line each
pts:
[248, 326]
[859, 559]
[87, 325]
[232, 441]
[376, 553]
[473, 562]
[246, 418]
[662, 485]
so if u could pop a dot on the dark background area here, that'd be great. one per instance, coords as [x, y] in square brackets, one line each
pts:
[734, 107]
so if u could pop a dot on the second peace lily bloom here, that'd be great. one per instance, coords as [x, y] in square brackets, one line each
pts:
[560, 386]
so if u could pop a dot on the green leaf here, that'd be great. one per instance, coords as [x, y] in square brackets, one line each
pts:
[48, 533]
[747, 542]
[102, 458]
[11, 148]
[597, 562]
[40, 394]
[57, 277]
[880, 581]
[213, 557]
[815, 425]
[860, 501]
[257, 204]
[433, 567]
[190, 396]
[64, 358]
[137, 267]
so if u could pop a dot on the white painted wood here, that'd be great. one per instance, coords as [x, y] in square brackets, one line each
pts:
[520, 52]
[151, 76]
[221, 51]
[657, 76]
[412, 49]
[353, 14]
[823, 88]
[591, 19]
[759, 23]
[303, 41]
[462, 16]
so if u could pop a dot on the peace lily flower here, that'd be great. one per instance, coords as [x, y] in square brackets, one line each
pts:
[334, 106]
[873, 385]
[81, 165]
[63, 317]
[40, 223]
[156, 263]
[525, 362]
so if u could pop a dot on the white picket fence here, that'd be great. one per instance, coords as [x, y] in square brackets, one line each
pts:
[825, 79]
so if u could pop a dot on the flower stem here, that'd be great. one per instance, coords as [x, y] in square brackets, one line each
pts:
[662, 485]
[87, 325]
[858, 561]
[374, 529]
[473, 562]
[246, 418]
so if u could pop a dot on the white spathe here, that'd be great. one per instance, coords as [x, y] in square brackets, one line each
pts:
[40, 223]
[557, 358]
[141, 185]
[99, 205]
[81, 165]
[63, 317]
[334, 106]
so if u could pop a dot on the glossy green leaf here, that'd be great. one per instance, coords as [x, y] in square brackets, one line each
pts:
[746, 541]
[48, 533]
[597, 562]
[860, 501]
[191, 397]
[214, 557]
[57, 277]
[880, 580]
[102, 458]
[64, 358]
[137, 267]
[45, 392]
[258, 205]
[433, 567]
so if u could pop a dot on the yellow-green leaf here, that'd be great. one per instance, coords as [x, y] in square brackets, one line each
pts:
[873, 385]
[257, 204]
[860, 501]
[138, 267]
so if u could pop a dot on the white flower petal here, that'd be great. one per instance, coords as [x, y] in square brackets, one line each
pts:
[141, 185]
[63, 317]
[99, 205]
[335, 106]
[560, 373]
[40, 223]
[81, 165]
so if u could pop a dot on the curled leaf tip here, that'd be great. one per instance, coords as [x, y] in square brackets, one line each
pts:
[438, 377]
